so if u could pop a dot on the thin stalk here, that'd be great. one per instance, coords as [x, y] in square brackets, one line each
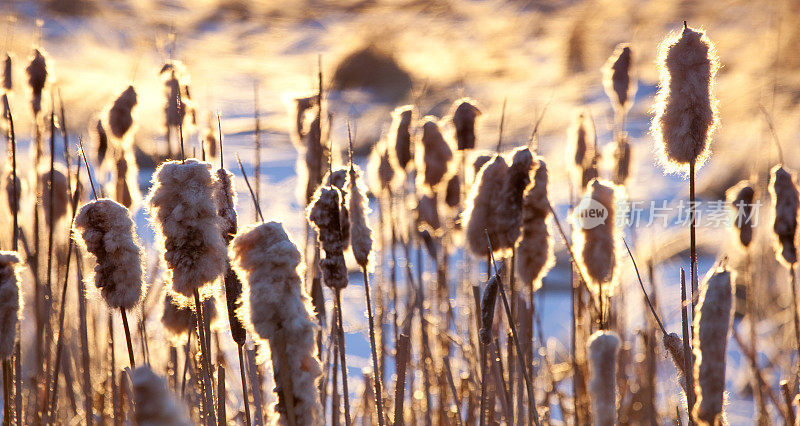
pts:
[375, 365]
[186, 358]
[7, 391]
[128, 337]
[692, 238]
[244, 386]
[484, 373]
[208, 384]
[221, 415]
[793, 283]
[342, 358]
[257, 136]
[336, 411]
[401, 362]
[252, 194]
[452, 384]
[641, 284]
[12, 139]
[687, 350]
[255, 387]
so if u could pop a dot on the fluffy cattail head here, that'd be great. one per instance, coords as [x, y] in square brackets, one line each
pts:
[674, 346]
[581, 140]
[785, 201]
[535, 245]
[61, 197]
[233, 300]
[360, 234]
[175, 79]
[487, 309]
[277, 309]
[400, 136]
[711, 328]
[479, 212]
[107, 232]
[452, 194]
[325, 215]
[433, 158]
[617, 78]
[179, 316]
[380, 169]
[479, 161]
[183, 210]
[102, 142]
[10, 301]
[7, 73]
[120, 115]
[685, 107]
[602, 349]
[37, 78]
[155, 404]
[741, 197]
[595, 237]
[427, 212]
[226, 204]
[508, 203]
[316, 159]
[464, 115]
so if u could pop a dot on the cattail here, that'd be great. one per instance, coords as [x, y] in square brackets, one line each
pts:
[277, 309]
[324, 214]
[297, 114]
[582, 144]
[155, 404]
[316, 160]
[338, 179]
[10, 301]
[622, 160]
[175, 79]
[7, 73]
[184, 213]
[427, 212]
[783, 192]
[674, 346]
[741, 197]
[37, 78]
[433, 158]
[60, 192]
[452, 194]
[617, 81]
[107, 232]
[360, 234]
[595, 238]
[225, 197]
[508, 202]
[8, 184]
[209, 139]
[685, 108]
[479, 161]
[179, 316]
[120, 117]
[711, 328]
[102, 142]
[379, 169]
[481, 203]
[602, 348]
[535, 245]
[487, 309]
[464, 115]
[126, 175]
[400, 136]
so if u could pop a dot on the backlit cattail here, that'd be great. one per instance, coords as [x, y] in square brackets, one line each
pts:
[379, 169]
[184, 214]
[508, 202]
[622, 160]
[126, 174]
[338, 179]
[102, 142]
[225, 197]
[120, 114]
[434, 155]
[8, 82]
[783, 192]
[479, 161]
[277, 309]
[427, 212]
[37, 78]
[685, 107]
[535, 245]
[297, 115]
[582, 144]
[176, 80]
[602, 349]
[480, 205]
[10, 301]
[155, 404]
[595, 238]
[315, 159]
[179, 317]
[740, 197]
[487, 309]
[711, 328]
[209, 139]
[674, 346]
[9, 190]
[60, 192]
[617, 78]
[400, 136]
[360, 234]
[452, 194]
[464, 116]
[107, 232]
[324, 214]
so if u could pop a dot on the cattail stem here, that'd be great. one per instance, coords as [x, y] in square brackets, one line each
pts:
[257, 136]
[128, 337]
[221, 415]
[692, 239]
[7, 380]
[375, 366]
[796, 313]
[186, 354]
[244, 386]
[401, 362]
[451, 383]
[484, 381]
[207, 383]
[15, 246]
[84, 337]
[342, 358]
[688, 355]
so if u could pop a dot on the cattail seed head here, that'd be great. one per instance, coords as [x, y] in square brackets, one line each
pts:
[338, 179]
[277, 309]
[712, 326]
[155, 404]
[435, 155]
[298, 109]
[379, 169]
[581, 140]
[487, 309]
[316, 159]
[427, 212]
[37, 78]
[785, 201]
[107, 232]
[179, 317]
[478, 163]
[452, 194]
[10, 301]
[7, 73]
[602, 349]
[102, 142]
[400, 136]
[61, 197]
[126, 175]
[325, 215]
[595, 238]
[225, 198]
[674, 346]
[535, 244]
[480, 205]
[741, 197]
[622, 160]
[183, 210]
[508, 202]
[464, 115]
[617, 78]
[120, 115]
[685, 108]
[360, 234]
[12, 193]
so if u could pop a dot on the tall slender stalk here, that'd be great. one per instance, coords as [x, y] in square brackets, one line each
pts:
[375, 366]
[128, 337]
[15, 246]
[207, 383]
[342, 359]
[244, 386]
[687, 350]
[692, 238]
[401, 362]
